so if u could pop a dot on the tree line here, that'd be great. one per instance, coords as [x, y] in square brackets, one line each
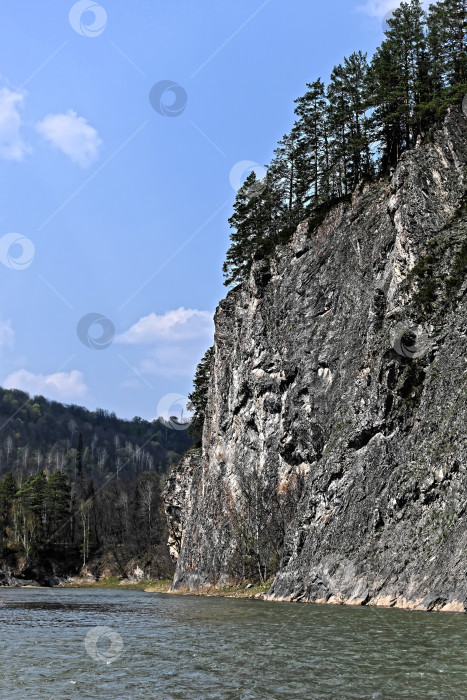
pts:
[53, 523]
[37, 434]
[355, 128]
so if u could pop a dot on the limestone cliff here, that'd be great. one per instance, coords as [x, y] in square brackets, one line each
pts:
[336, 428]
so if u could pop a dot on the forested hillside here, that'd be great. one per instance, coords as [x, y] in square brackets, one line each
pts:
[354, 129]
[76, 485]
[36, 434]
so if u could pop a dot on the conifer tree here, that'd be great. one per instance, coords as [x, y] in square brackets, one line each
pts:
[57, 499]
[399, 81]
[356, 96]
[284, 175]
[447, 27]
[384, 78]
[338, 120]
[199, 396]
[311, 142]
[248, 224]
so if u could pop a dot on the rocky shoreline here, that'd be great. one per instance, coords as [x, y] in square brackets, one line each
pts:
[428, 604]
[249, 591]
[9, 579]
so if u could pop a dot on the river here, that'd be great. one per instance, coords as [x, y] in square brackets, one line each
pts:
[87, 643]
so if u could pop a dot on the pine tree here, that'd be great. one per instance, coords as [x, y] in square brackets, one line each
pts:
[284, 177]
[338, 120]
[447, 27]
[356, 95]
[310, 129]
[57, 499]
[399, 81]
[199, 396]
[385, 98]
[248, 224]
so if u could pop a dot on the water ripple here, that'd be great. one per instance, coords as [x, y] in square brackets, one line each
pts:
[214, 648]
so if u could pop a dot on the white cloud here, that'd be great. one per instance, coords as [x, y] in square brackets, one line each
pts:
[12, 146]
[7, 334]
[179, 325]
[380, 8]
[177, 340]
[62, 386]
[72, 135]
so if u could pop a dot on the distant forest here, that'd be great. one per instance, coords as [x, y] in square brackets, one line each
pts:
[78, 484]
[354, 129]
[36, 434]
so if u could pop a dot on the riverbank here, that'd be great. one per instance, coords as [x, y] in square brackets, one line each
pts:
[260, 592]
[430, 603]
[249, 590]
[114, 582]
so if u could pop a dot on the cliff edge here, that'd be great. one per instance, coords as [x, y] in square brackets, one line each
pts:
[334, 451]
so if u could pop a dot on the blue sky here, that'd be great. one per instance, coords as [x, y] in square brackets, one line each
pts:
[111, 207]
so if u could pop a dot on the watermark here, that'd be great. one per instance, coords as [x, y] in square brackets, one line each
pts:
[16, 251]
[88, 18]
[168, 98]
[389, 15]
[172, 408]
[96, 331]
[241, 171]
[410, 341]
[103, 644]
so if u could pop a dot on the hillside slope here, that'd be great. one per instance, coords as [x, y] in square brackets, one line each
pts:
[37, 433]
[334, 447]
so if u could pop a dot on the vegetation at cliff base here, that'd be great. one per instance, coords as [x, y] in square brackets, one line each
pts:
[355, 128]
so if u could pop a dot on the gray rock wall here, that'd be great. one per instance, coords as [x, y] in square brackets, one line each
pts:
[336, 429]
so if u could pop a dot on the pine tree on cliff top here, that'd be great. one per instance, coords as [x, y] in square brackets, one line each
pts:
[397, 74]
[311, 142]
[447, 27]
[248, 224]
[356, 128]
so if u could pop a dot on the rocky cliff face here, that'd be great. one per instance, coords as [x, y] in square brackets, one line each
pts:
[336, 429]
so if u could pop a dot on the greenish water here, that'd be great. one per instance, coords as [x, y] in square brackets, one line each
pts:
[162, 646]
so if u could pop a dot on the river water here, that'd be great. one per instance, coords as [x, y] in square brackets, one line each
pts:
[78, 643]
